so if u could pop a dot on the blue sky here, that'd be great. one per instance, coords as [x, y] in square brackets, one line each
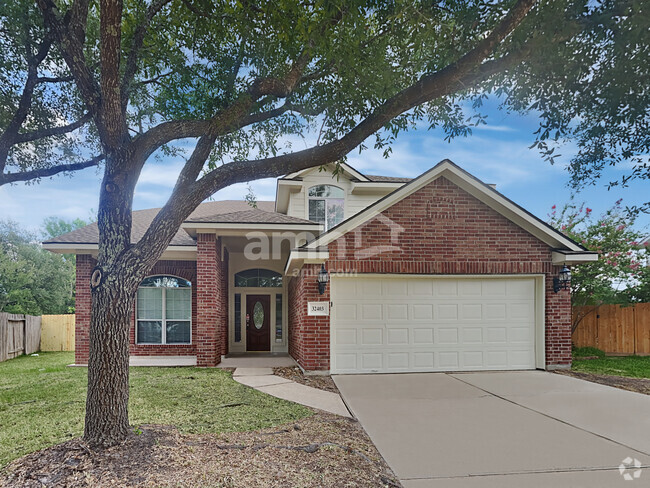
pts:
[496, 153]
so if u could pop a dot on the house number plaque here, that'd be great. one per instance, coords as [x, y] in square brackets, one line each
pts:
[318, 308]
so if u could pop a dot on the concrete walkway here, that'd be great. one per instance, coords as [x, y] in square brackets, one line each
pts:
[479, 430]
[263, 379]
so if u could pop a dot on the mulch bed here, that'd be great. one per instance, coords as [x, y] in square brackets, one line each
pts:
[320, 451]
[322, 382]
[639, 385]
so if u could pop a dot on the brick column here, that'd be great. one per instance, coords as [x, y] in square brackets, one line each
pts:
[85, 265]
[558, 325]
[208, 292]
[309, 336]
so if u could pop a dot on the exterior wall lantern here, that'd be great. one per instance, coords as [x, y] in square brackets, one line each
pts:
[562, 281]
[322, 279]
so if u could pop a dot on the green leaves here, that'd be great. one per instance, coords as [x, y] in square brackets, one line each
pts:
[619, 273]
[34, 281]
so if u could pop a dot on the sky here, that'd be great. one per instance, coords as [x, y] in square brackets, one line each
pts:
[497, 153]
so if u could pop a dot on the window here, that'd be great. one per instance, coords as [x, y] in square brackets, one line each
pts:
[278, 317]
[326, 205]
[164, 311]
[258, 278]
[237, 317]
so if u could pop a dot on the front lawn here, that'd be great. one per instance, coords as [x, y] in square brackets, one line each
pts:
[631, 366]
[42, 402]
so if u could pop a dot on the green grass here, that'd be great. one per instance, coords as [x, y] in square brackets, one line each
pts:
[581, 352]
[632, 366]
[42, 402]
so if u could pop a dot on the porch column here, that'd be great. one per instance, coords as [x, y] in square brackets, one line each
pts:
[85, 265]
[208, 293]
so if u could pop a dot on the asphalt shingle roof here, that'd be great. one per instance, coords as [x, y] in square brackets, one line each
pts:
[224, 211]
[233, 211]
[388, 179]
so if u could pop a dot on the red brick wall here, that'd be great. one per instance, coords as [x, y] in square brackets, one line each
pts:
[309, 339]
[444, 230]
[558, 326]
[85, 265]
[210, 311]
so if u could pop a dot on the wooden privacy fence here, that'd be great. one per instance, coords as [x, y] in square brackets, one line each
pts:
[57, 333]
[19, 334]
[615, 329]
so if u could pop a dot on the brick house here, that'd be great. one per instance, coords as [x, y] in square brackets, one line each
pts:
[438, 273]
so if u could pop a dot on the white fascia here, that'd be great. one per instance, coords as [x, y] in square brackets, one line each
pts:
[299, 257]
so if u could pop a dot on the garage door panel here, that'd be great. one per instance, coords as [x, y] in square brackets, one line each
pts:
[395, 288]
[446, 311]
[494, 288]
[422, 288]
[397, 337]
[471, 311]
[344, 311]
[346, 337]
[422, 311]
[446, 288]
[429, 324]
[397, 361]
[422, 336]
[397, 311]
[447, 335]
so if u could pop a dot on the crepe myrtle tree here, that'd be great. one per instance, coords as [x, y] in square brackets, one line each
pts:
[112, 82]
[618, 274]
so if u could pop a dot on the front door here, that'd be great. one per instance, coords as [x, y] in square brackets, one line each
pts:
[258, 323]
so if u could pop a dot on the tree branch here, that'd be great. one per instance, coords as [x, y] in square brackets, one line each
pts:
[51, 171]
[112, 116]
[8, 137]
[136, 44]
[70, 37]
[51, 131]
[54, 79]
[467, 70]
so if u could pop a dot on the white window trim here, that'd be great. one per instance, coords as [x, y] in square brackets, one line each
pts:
[164, 314]
[325, 199]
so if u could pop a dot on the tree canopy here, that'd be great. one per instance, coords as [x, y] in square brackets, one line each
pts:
[34, 281]
[620, 275]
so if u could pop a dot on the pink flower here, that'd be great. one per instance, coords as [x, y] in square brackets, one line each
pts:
[553, 207]
[588, 210]
[620, 227]
[564, 227]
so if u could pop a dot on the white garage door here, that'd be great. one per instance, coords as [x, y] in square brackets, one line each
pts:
[396, 324]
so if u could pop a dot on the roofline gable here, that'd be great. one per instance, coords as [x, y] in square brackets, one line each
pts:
[475, 187]
[298, 174]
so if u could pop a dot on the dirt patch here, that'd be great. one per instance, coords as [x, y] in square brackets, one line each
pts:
[640, 385]
[294, 373]
[320, 451]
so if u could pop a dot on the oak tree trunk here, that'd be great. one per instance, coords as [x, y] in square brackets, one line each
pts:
[107, 418]
[113, 283]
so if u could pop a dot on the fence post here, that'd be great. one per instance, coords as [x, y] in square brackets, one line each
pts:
[4, 336]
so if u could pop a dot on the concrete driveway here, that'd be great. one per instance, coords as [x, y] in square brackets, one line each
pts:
[514, 429]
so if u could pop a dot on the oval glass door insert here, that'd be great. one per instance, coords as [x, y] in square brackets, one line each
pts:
[258, 315]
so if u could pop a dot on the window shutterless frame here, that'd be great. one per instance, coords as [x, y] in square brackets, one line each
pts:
[164, 319]
[330, 197]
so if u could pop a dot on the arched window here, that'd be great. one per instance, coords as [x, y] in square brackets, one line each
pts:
[164, 311]
[326, 204]
[258, 278]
